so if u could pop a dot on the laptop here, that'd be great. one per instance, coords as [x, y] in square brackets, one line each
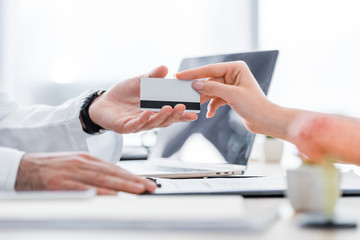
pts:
[225, 131]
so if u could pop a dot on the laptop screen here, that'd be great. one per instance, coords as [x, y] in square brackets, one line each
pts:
[225, 131]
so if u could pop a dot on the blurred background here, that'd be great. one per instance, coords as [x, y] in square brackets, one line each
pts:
[52, 50]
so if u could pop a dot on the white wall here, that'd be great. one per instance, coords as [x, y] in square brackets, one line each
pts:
[1, 40]
[319, 61]
[57, 48]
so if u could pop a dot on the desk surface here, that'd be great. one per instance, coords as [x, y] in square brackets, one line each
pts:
[285, 227]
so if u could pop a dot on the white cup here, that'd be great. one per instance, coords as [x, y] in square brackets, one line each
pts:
[312, 189]
[273, 149]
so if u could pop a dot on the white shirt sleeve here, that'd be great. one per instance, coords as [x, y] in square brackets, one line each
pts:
[9, 164]
[48, 129]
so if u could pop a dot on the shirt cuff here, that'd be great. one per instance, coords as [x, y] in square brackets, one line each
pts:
[9, 165]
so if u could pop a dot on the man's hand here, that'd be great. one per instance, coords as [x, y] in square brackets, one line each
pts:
[119, 108]
[77, 171]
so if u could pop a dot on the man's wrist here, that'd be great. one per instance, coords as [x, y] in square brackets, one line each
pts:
[86, 122]
[26, 168]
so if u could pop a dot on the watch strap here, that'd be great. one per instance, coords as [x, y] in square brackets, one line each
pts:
[90, 126]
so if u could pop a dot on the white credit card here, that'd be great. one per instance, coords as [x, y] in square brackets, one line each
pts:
[158, 92]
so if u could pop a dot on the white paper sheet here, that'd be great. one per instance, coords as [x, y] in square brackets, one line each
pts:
[350, 182]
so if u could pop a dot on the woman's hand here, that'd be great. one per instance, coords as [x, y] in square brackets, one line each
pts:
[232, 83]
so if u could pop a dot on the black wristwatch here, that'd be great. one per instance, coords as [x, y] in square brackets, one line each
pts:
[90, 126]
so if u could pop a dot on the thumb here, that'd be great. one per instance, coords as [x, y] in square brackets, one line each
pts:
[159, 72]
[214, 89]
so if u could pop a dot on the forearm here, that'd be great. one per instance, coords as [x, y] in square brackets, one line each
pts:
[274, 120]
[316, 135]
[327, 135]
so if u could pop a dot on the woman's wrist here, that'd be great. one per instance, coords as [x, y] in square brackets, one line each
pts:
[275, 120]
[283, 121]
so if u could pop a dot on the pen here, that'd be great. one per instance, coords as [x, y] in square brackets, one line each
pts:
[155, 181]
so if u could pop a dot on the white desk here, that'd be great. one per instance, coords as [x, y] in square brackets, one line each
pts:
[284, 228]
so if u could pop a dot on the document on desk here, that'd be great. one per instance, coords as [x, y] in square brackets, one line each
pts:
[248, 186]
[350, 183]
